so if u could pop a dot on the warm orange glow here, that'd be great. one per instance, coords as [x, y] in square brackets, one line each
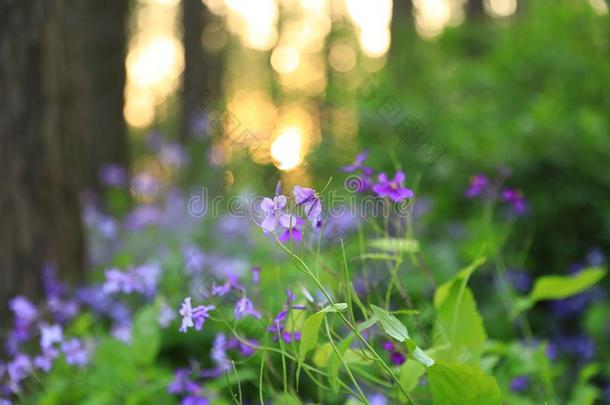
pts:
[431, 16]
[372, 19]
[500, 8]
[254, 22]
[286, 149]
[285, 59]
[342, 57]
[154, 60]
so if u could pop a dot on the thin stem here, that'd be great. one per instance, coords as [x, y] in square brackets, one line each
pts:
[345, 320]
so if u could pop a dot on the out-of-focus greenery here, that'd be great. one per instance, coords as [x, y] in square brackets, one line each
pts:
[531, 94]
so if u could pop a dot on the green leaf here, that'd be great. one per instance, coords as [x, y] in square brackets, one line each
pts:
[410, 373]
[458, 384]
[559, 287]
[395, 245]
[146, 336]
[390, 324]
[338, 307]
[421, 357]
[311, 327]
[334, 362]
[463, 275]
[309, 334]
[460, 325]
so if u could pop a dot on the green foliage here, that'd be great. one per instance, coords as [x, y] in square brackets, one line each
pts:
[146, 336]
[311, 327]
[390, 324]
[458, 384]
[559, 287]
[391, 245]
[458, 322]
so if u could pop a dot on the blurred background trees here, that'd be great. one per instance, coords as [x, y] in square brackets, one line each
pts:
[62, 77]
[492, 83]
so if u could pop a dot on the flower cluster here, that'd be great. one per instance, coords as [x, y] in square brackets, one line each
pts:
[140, 279]
[291, 225]
[481, 187]
[386, 187]
[29, 327]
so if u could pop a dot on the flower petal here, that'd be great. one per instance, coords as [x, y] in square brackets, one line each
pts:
[269, 223]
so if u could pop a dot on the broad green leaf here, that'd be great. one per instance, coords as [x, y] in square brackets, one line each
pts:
[459, 384]
[460, 325]
[410, 373]
[311, 327]
[559, 287]
[441, 292]
[146, 336]
[395, 245]
[390, 324]
[322, 354]
[309, 334]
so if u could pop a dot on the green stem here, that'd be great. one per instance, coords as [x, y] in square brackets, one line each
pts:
[345, 320]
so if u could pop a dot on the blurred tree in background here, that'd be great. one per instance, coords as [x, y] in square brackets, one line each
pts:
[62, 77]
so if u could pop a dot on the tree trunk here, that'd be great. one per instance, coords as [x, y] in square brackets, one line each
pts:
[38, 196]
[61, 80]
[202, 70]
[95, 33]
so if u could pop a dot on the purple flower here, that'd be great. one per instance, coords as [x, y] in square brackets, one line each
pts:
[519, 383]
[273, 210]
[223, 289]
[50, 335]
[145, 185]
[295, 233]
[76, 352]
[165, 316]
[388, 346]
[194, 400]
[244, 307]
[308, 198]
[520, 280]
[178, 384]
[141, 279]
[17, 370]
[113, 175]
[256, 275]
[193, 317]
[117, 281]
[397, 358]
[478, 186]
[122, 332]
[393, 189]
[142, 216]
[515, 199]
[358, 164]
[219, 353]
[247, 349]
[44, 362]
[173, 154]
[25, 312]
[378, 399]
